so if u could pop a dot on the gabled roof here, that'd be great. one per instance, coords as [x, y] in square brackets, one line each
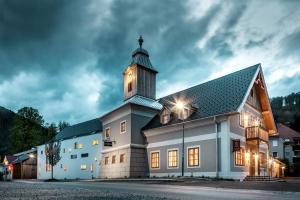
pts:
[220, 96]
[85, 128]
[286, 132]
[144, 101]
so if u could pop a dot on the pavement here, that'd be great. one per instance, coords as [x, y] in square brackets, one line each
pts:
[29, 189]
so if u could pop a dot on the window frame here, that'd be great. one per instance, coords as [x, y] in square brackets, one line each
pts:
[107, 128]
[122, 160]
[187, 156]
[113, 159]
[106, 160]
[177, 158]
[124, 121]
[243, 157]
[153, 152]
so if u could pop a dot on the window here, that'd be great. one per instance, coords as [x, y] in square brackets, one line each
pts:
[74, 156]
[75, 145]
[113, 159]
[165, 118]
[92, 167]
[61, 166]
[155, 160]
[106, 160]
[275, 143]
[42, 152]
[193, 157]
[123, 127]
[122, 158]
[80, 146]
[64, 150]
[95, 142]
[84, 155]
[129, 86]
[65, 168]
[251, 92]
[107, 133]
[172, 158]
[239, 157]
[218, 127]
[48, 168]
[83, 167]
[275, 154]
[297, 153]
[242, 119]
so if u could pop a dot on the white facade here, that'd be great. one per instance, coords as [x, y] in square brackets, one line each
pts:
[74, 162]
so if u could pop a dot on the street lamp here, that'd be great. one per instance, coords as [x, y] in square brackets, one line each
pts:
[180, 108]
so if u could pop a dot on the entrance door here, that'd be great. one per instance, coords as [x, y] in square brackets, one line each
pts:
[252, 165]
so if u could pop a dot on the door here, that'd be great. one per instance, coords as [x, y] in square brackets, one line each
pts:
[252, 165]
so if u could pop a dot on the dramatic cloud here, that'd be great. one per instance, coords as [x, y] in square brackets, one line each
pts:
[66, 58]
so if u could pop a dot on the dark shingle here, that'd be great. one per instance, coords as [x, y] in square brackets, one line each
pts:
[81, 129]
[216, 97]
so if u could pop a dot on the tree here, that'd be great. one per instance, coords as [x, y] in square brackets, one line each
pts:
[52, 154]
[62, 125]
[27, 130]
[31, 114]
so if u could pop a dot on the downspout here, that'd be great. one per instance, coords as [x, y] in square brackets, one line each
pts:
[217, 148]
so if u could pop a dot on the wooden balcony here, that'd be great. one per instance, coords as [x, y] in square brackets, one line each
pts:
[255, 132]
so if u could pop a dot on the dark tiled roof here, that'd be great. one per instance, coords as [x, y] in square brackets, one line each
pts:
[286, 132]
[216, 97]
[81, 129]
[141, 57]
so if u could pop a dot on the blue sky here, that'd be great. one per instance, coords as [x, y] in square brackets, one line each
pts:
[66, 58]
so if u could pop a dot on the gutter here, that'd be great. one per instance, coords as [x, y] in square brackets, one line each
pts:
[217, 148]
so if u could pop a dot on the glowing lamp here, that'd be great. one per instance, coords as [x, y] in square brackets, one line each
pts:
[179, 105]
[256, 156]
[31, 155]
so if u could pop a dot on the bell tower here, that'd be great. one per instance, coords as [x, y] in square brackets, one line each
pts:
[140, 75]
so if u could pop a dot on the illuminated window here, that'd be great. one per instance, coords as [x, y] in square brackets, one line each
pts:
[80, 146]
[193, 157]
[65, 168]
[123, 127]
[122, 158]
[107, 133]
[129, 86]
[95, 142]
[48, 168]
[239, 157]
[92, 167]
[83, 167]
[173, 158]
[113, 159]
[106, 161]
[165, 118]
[155, 160]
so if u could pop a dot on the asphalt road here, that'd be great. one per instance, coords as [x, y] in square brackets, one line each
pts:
[125, 190]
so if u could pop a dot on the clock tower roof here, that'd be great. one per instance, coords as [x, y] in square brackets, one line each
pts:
[140, 57]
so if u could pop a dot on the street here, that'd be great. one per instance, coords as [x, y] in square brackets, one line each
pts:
[125, 190]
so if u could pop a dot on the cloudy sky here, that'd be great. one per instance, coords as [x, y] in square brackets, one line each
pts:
[66, 58]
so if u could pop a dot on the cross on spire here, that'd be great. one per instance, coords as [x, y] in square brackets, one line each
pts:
[141, 41]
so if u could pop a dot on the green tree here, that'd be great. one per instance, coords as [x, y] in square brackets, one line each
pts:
[27, 130]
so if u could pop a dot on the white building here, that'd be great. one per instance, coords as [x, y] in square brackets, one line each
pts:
[80, 153]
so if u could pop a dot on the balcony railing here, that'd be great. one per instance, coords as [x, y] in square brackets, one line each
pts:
[256, 132]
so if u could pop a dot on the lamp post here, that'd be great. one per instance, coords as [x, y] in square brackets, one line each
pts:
[180, 107]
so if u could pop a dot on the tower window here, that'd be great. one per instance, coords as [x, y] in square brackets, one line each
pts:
[130, 86]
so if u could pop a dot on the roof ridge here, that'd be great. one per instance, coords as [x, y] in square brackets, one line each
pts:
[256, 65]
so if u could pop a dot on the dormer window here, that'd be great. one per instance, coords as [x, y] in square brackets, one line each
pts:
[165, 118]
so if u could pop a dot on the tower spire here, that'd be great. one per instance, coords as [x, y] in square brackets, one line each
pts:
[141, 40]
